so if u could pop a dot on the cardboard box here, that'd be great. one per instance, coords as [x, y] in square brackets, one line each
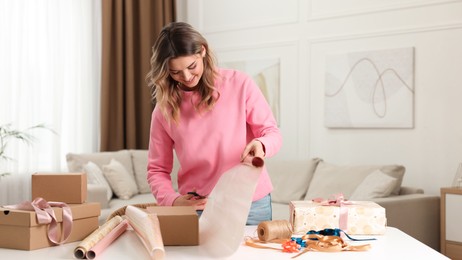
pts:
[62, 187]
[179, 225]
[363, 217]
[19, 229]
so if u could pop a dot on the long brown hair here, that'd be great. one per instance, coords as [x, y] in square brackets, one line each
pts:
[175, 40]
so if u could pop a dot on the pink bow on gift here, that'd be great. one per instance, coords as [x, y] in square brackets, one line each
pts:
[334, 200]
[337, 200]
[46, 215]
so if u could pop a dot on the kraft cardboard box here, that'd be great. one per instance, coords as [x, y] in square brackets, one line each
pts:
[179, 225]
[61, 187]
[19, 229]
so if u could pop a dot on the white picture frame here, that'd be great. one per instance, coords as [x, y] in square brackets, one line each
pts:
[457, 182]
[370, 89]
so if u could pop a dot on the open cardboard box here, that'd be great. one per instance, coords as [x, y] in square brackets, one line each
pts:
[19, 229]
[179, 225]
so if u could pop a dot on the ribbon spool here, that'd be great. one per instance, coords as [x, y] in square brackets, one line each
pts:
[275, 229]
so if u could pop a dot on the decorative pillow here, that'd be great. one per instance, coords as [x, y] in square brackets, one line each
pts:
[122, 183]
[329, 179]
[75, 162]
[375, 185]
[95, 176]
[140, 165]
[290, 179]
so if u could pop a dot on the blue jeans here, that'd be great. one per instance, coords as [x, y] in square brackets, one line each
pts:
[260, 210]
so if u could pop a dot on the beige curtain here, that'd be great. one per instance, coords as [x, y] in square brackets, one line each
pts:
[129, 31]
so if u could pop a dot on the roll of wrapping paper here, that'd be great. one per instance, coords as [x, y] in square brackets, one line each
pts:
[107, 240]
[147, 228]
[275, 229]
[222, 223]
[96, 236]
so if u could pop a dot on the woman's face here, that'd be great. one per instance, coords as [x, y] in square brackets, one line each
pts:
[187, 70]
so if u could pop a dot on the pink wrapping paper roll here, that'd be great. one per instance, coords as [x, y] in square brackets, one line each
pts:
[107, 240]
[81, 250]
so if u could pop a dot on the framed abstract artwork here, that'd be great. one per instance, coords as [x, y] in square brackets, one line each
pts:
[457, 182]
[370, 89]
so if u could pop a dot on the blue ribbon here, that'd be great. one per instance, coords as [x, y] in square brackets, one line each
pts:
[327, 232]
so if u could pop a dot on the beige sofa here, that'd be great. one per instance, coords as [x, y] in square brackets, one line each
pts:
[116, 179]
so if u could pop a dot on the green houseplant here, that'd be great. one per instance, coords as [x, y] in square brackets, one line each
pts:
[8, 134]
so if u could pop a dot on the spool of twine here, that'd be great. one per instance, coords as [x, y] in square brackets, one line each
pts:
[275, 229]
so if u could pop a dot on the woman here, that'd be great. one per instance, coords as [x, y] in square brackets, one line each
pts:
[213, 118]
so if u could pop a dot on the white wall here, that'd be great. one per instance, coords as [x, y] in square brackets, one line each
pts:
[301, 33]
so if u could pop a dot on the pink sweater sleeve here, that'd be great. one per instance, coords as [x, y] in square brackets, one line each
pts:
[261, 121]
[160, 162]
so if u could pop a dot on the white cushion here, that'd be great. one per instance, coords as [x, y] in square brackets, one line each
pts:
[290, 178]
[140, 165]
[375, 185]
[95, 176]
[329, 179]
[122, 182]
[75, 162]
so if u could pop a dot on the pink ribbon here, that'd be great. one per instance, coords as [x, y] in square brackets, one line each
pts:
[46, 215]
[337, 200]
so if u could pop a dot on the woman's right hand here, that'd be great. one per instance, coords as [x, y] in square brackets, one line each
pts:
[190, 200]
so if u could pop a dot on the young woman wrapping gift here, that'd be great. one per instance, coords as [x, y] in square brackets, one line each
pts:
[212, 117]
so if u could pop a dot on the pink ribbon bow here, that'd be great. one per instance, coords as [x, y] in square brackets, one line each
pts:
[337, 200]
[334, 200]
[46, 215]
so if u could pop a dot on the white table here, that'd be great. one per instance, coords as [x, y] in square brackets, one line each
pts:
[395, 244]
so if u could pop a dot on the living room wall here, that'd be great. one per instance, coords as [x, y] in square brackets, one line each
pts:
[300, 35]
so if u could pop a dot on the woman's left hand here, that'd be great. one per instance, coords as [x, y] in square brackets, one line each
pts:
[254, 148]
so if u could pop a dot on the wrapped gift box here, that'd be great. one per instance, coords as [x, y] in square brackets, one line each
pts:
[62, 187]
[19, 229]
[179, 225]
[363, 217]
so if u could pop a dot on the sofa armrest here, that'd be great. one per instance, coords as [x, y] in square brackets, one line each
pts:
[418, 215]
[97, 193]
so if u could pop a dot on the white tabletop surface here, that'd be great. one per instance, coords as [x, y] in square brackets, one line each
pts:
[395, 244]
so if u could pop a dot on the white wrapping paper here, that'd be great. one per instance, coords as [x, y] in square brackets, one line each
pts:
[222, 223]
[147, 228]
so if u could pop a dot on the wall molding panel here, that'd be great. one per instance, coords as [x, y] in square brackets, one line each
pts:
[276, 13]
[402, 31]
[364, 7]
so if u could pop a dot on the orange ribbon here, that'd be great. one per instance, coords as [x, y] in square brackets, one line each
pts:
[46, 215]
[329, 244]
[322, 244]
[290, 247]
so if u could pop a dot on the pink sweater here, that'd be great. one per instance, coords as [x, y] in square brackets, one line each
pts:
[208, 144]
